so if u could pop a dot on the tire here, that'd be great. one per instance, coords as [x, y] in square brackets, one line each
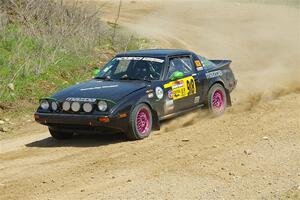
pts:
[59, 135]
[140, 122]
[217, 99]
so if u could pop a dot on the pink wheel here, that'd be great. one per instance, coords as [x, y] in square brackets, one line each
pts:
[140, 122]
[143, 121]
[217, 99]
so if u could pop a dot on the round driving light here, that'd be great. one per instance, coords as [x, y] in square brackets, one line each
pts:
[45, 105]
[75, 106]
[102, 105]
[87, 107]
[66, 106]
[54, 106]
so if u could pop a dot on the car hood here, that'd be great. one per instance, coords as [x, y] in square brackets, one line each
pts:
[99, 89]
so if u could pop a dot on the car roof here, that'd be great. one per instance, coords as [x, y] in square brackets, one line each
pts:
[155, 52]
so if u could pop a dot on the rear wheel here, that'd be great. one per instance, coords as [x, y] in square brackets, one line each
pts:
[59, 135]
[216, 99]
[140, 122]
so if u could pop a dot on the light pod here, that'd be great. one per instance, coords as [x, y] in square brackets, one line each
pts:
[54, 106]
[75, 106]
[45, 105]
[66, 106]
[87, 107]
[102, 105]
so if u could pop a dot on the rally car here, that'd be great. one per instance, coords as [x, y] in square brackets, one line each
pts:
[136, 90]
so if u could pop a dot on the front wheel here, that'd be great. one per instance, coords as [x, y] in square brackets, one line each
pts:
[140, 122]
[59, 135]
[216, 99]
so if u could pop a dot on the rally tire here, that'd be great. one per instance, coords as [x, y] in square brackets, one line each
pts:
[217, 99]
[140, 122]
[59, 135]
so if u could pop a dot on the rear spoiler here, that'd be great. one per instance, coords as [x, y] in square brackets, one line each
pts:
[221, 63]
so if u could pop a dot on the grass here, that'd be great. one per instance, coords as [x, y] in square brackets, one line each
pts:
[26, 63]
[40, 57]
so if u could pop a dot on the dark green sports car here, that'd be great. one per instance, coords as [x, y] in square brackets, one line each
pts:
[136, 90]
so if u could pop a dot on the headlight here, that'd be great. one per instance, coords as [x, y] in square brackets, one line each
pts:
[75, 106]
[66, 106]
[45, 105]
[87, 107]
[102, 105]
[54, 106]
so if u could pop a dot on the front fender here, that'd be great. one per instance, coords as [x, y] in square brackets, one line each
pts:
[127, 104]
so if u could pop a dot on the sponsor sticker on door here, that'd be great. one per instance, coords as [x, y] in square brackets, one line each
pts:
[182, 88]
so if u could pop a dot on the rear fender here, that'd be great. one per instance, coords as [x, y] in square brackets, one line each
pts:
[226, 87]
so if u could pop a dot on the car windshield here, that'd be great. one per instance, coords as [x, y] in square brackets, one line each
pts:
[132, 68]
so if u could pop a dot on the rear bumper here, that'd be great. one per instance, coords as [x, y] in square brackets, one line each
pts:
[81, 123]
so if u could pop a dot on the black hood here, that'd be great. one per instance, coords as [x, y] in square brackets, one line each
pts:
[100, 89]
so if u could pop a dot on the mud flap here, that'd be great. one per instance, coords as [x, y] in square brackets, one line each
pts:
[228, 98]
[156, 122]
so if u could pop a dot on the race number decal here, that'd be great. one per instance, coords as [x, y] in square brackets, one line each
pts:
[182, 88]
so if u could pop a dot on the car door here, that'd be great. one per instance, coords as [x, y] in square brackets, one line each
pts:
[181, 90]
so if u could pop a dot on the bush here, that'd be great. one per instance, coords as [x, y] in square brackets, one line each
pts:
[47, 45]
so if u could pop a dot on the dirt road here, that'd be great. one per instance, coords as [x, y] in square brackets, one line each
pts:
[252, 152]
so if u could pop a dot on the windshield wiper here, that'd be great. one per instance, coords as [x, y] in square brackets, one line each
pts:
[125, 77]
[106, 78]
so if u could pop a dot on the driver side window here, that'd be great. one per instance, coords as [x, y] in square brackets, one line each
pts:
[181, 64]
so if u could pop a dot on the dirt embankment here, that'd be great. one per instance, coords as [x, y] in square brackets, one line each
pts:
[252, 152]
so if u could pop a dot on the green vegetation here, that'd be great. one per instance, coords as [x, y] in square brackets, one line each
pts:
[46, 46]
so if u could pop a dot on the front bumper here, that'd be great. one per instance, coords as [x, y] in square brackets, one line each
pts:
[81, 123]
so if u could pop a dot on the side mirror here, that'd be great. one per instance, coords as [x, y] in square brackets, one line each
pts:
[176, 75]
[96, 71]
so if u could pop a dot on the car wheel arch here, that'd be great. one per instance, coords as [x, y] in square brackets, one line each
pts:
[155, 118]
[219, 81]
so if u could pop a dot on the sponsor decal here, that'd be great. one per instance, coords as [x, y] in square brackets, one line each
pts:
[99, 87]
[199, 69]
[178, 84]
[197, 99]
[141, 58]
[129, 58]
[182, 88]
[153, 59]
[150, 95]
[170, 94]
[159, 92]
[169, 105]
[214, 74]
[91, 100]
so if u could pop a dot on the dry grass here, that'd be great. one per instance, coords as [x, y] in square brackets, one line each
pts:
[48, 42]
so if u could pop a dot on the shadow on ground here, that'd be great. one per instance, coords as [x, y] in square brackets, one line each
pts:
[89, 140]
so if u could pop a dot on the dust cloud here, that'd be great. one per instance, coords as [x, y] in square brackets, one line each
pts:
[192, 156]
[262, 40]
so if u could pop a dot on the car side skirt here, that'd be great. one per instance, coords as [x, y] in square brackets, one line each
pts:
[172, 115]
